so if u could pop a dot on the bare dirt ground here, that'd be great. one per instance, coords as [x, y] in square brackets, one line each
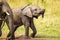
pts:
[36, 38]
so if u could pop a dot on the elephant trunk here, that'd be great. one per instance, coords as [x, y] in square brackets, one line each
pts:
[43, 13]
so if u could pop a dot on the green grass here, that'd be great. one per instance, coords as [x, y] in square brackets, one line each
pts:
[49, 25]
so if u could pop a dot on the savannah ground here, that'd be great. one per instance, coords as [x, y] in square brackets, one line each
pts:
[48, 28]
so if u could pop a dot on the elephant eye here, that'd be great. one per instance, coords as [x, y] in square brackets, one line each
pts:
[35, 9]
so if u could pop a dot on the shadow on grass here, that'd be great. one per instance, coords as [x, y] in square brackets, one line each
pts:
[41, 37]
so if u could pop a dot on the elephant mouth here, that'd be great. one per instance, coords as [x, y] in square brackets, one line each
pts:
[36, 17]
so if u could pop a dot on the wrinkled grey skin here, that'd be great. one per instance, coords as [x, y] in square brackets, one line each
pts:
[24, 16]
[4, 7]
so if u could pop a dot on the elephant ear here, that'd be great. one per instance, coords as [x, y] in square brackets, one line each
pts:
[27, 12]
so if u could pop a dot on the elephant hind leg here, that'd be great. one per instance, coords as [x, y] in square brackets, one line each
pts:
[15, 28]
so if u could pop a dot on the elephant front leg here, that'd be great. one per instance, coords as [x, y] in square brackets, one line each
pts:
[11, 36]
[26, 32]
[9, 22]
[33, 29]
[15, 28]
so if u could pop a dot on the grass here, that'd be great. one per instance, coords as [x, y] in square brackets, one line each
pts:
[49, 25]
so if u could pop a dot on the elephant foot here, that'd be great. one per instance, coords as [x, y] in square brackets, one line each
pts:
[32, 35]
[27, 37]
[9, 38]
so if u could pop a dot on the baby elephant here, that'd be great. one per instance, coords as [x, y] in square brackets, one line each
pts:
[24, 16]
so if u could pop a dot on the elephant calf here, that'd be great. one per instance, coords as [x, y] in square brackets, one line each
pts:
[25, 17]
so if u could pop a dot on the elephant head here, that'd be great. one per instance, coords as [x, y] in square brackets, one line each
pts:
[4, 9]
[33, 11]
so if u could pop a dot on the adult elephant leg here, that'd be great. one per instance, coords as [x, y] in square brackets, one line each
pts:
[8, 28]
[0, 27]
[9, 22]
[9, 32]
[15, 28]
[33, 28]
